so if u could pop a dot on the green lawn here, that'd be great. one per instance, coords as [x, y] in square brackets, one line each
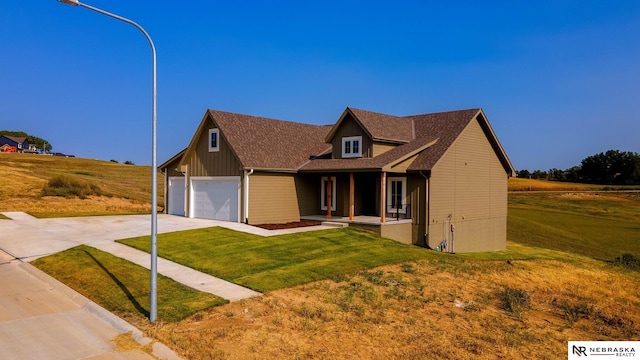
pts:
[599, 226]
[269, 263]
[121, 286]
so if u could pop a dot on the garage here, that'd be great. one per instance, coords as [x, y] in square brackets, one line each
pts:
[176, 195]
[215, 197]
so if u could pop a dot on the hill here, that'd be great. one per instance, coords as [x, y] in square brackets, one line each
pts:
[126, 188]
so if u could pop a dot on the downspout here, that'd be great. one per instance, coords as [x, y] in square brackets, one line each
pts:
[426, 210]
[246, 195]
[166, 180]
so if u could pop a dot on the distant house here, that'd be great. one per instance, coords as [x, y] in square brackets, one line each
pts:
[7, 148]
[20, 143]
[434, 180]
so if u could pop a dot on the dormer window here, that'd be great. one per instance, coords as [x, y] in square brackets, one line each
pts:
[214, 144]
[352, 147]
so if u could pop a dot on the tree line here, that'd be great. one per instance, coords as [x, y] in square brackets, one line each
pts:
[613, 167]
[41, 144]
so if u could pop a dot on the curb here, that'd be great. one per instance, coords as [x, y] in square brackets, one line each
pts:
[160, 350]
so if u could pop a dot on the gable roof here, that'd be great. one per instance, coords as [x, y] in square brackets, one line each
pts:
[380, 127]
[266, 144]
[430, 137]
[448, 126]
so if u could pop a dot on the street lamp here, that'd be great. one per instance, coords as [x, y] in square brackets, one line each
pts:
[153, 297]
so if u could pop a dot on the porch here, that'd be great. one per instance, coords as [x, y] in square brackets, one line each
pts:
[400, 230]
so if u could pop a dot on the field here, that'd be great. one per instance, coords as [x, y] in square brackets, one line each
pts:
[126, 188]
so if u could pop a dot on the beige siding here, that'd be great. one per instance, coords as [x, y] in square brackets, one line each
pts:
[469, 183]
[402, 166]
[379, 148]
[350, 127]
[219, 163]
[272, 199]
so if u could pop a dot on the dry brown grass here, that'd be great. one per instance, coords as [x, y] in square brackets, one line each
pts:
[520, 184]
[127, 187]
[422, 310]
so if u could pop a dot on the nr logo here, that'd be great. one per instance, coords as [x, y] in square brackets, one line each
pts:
[580, 350]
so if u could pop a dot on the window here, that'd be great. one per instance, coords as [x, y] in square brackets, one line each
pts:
[214, 144]
[352, 147]
[396, 195]
[323, 193]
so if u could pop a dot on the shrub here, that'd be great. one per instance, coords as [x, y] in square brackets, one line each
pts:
[628, 261]
[129, 162]
[70, 186]
[515, 301]
[574, 312]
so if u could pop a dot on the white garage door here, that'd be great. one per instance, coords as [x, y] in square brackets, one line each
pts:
[176, 196]
[215, 197]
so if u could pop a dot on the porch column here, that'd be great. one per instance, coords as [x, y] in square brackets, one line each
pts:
[352, 196]
[328, 191]
[383, 197]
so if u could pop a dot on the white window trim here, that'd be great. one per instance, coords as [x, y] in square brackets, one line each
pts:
[323, 193]
[350, 139]
[390, 181]
[217, 147]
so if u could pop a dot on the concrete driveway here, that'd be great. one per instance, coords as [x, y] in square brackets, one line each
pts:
[27, 238]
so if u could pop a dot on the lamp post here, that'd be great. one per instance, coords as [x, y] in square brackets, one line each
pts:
[153, 298]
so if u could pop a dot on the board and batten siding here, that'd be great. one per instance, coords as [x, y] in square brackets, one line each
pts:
[272, 198]
[218, 163]
[350, 127]
[470, 183]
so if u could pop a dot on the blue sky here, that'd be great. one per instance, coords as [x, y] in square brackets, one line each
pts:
[558, 80]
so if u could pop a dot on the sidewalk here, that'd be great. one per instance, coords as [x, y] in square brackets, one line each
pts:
[41, 318]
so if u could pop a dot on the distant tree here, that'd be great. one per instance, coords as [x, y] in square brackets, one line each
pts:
[539, 174]
[612, 167]
[556, 175]
[523, 174]
[114, 161]
[40, 143]
[129, 162]
[572, 174]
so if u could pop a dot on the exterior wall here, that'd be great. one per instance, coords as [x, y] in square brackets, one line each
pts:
[380, 148]
[219, 163]
[170, 171]
[272, 198]
[308, 194]
[417, 193]
[201, 162]
[400, 232]
[350, 127]
[470, 183]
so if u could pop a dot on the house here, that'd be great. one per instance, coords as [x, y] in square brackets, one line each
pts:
[20, 143]
[434, 180]
[6, 148]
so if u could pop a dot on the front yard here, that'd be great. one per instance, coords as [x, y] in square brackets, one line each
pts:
[270, 263]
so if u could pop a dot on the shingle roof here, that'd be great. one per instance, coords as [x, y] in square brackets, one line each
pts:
[383, 126]
[447, 126]
[268, 143]
[19, 140]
